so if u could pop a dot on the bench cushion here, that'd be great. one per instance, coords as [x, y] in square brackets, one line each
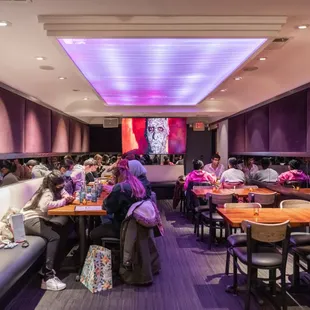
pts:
[15, 262]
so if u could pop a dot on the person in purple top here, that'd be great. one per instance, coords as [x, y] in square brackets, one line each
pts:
[215, 167]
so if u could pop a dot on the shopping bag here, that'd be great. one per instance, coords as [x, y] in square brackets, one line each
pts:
[97, 270]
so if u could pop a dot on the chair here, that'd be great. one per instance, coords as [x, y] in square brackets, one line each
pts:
[238, 239]
[211, 218]
[294, 203]
[258, 254]
[300, 247]
[266, 200]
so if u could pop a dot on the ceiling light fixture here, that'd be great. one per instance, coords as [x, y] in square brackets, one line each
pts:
[238, 78]
[223, 90]
[263, 58]
[302, 27]
[212, 98]
[40, 58]
[119, 73]
[62, 78]
[4, 23]
[85, 98]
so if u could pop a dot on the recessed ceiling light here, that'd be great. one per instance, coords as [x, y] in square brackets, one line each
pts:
[4, 23]
[238, 78]
[262, 58]
[85, 98]
[302, 27]
[62, 78]
[75, 89]
[223, 90]
[40, 58]
[212, 98]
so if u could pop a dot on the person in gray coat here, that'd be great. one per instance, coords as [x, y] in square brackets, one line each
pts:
[37, 169]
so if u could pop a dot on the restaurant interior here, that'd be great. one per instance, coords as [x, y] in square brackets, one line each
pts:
[154, 154]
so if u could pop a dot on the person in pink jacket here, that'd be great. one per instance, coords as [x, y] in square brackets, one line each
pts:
[198, 175]
[293, 174]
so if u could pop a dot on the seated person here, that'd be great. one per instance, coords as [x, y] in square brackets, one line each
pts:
[198, 175]
[50, 195]
[37, 169]
[266, 174]
[22, 172]
[215, 167]
[249, 169]
[79, 172]
[92, 167]
[232, 176]
[167, 161]
[65, 169]
[137, 170]
[293, 173]
[126, 191]
[6, 173]
[180, 160]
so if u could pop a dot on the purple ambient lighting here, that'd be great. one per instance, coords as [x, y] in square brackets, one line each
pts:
[149, 72]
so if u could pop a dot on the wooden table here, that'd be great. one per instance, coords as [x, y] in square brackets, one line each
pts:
[242, 192]
[296, 216]
[69, 210]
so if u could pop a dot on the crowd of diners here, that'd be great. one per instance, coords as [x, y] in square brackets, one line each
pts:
[13, 171]
[61, 184]
[239, 173]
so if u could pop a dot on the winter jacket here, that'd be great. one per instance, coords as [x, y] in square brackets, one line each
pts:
[39, 171]
[199, 176]
[292, 175]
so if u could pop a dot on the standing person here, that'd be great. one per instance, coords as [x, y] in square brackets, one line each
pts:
[215, 167]
[198, 175]
[6, 169]
[100, 167]
[37, 169]
[50, 195]
[266, 174]
[233, 176]
[293, 174]
[126, 191]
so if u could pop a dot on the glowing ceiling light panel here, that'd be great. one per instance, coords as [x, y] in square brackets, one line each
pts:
[149, 72]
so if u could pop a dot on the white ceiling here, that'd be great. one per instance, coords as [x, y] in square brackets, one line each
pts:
[285, 68]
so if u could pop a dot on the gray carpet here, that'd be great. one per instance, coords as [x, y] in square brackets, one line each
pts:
[191, 278]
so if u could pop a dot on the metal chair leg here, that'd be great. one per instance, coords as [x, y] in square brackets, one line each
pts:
[235, 275]
[227, 262]
[296, 272]
[249, 285]
[272, 281]
[283, 290]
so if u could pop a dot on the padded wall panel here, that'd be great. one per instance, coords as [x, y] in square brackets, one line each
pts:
[308, 120]
[236, 134]
[60, 133]
[75, 136]
[85, 138]
[12, 116]
[37, 128]
[288, 123]
[257, 130]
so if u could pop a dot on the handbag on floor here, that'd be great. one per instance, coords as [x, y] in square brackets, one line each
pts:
[97, 271]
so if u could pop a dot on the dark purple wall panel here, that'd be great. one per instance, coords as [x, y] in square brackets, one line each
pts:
[12, 115]
[257, 130]
[75, 136]
[308, 120]
[236, 134]
[60, 133]
[37, 128]
[85, 138]
[288, 123]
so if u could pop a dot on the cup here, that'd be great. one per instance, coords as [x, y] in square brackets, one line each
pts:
[256, 211]
[297, 188]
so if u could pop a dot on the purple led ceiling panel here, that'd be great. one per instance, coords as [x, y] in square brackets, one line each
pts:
[158, 71]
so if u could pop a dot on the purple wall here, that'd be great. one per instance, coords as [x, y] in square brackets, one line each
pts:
[12, 115]
[281, 126]
[236, 134]
[27, 127]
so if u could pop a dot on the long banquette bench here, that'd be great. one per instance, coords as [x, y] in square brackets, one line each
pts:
[163, 179]
[14, 263]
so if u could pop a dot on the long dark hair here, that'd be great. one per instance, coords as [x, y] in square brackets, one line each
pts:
[49, 182]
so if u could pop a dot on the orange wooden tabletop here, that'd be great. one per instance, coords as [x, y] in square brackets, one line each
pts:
[69, 210]
[242, 192]
[296, 216]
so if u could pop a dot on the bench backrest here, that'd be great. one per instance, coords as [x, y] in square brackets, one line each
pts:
[17, 195]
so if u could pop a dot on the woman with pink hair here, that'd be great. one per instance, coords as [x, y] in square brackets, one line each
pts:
[126, 191]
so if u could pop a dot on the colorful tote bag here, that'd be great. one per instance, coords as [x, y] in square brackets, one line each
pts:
[97, 271]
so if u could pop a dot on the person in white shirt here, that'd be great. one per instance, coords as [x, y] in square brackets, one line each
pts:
[233, 175]
[266, 174]
[215, 167]
[50, 195]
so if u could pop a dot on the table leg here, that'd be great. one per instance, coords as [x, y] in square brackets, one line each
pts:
[82, 236]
